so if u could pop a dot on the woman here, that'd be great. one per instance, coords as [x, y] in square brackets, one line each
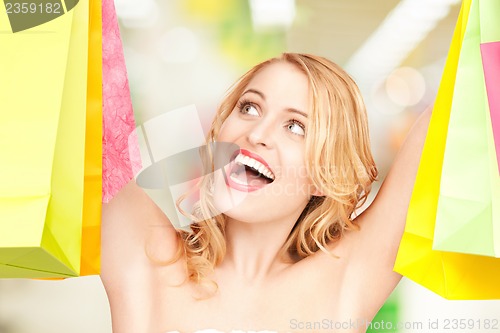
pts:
[290, 251]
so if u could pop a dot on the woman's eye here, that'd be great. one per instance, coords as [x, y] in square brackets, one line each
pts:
[296, 127]
[250, 109]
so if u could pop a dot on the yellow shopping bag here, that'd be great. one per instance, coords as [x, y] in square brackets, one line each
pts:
[43, 91]
[451, 275]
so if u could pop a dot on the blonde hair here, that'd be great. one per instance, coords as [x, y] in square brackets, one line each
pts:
[338, 160]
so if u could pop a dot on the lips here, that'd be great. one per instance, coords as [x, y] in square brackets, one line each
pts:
[248, 172]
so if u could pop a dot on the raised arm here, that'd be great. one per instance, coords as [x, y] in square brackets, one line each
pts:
[373, 249]
[131, 225]
[387, 214]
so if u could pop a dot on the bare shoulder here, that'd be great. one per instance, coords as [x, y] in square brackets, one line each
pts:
[136, 235]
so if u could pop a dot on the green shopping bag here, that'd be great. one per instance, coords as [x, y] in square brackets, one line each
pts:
[468, 213]
[43, 86]
[449, 274]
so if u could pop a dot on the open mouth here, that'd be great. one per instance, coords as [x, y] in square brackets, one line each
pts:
[248, 172]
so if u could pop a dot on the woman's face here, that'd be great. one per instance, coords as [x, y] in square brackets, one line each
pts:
[266, 179]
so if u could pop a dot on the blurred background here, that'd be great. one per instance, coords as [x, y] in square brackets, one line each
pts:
[185, 52]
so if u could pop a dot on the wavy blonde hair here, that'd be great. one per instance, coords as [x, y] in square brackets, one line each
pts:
[338, 160]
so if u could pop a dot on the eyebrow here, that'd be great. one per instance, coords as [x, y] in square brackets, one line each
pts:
[303, 114]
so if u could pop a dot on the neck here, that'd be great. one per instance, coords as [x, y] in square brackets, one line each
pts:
[254, 250]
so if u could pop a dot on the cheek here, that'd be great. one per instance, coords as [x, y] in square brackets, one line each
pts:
[293, 165]
[229, 129]
[297, 183]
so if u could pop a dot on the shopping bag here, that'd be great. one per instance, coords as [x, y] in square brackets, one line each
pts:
[92, 193]
[451, 275]
[42, 145]
[114, 149]
[120, 145]
[92, 186]
[468, 216]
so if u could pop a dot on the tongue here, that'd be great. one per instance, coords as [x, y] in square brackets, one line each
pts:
[253, 179]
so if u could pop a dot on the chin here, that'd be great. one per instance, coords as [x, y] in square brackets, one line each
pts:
[238, 205]
[226, 199]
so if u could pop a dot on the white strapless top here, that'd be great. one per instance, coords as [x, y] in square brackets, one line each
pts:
[233, 331]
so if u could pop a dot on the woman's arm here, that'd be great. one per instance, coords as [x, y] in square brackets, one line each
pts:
[131, 225]
[387, 213]
[375, 246]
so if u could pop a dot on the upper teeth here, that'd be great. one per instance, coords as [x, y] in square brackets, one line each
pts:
[254, 164]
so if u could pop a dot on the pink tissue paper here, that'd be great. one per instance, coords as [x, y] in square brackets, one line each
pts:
[490, 53]
[119, 159]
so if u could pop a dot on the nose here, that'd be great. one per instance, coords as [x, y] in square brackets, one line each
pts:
[262, 133]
